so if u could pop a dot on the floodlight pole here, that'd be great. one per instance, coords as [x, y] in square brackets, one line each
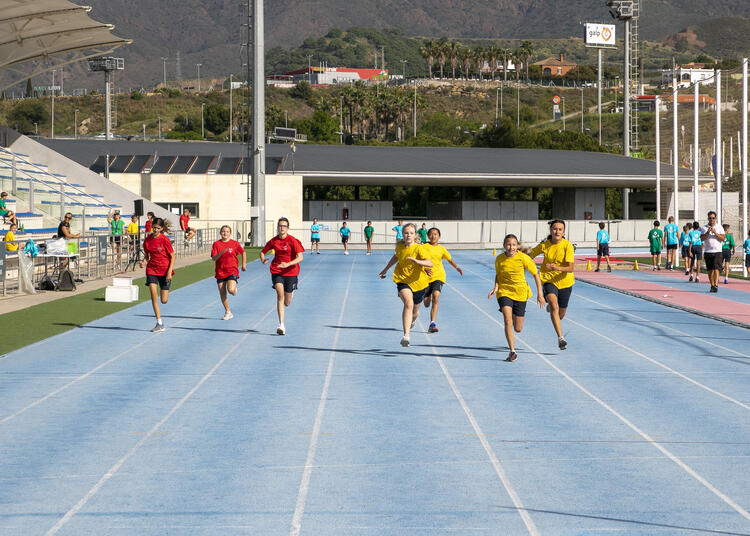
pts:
[744, 155]
[164, 67]
[719, 171]
[199, 76]
[231, 123]
[626, 94]
[599, 92]
[658, 159]
[52, 129]
[696, 152]
[107, 106]
[259, 118]
[675, 147]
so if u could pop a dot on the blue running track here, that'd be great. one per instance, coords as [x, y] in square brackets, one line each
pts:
[224, 428]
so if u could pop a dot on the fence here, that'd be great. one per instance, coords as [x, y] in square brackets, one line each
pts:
[93, 256]
[482, 234]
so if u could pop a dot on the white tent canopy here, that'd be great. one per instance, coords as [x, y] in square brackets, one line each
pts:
[52, 32]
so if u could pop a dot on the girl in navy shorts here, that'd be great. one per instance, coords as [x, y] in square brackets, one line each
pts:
[159, 257]
[224, 253]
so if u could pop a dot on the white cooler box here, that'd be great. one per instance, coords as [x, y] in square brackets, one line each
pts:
[121, 290]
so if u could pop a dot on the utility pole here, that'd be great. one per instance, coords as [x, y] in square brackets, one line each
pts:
[231, 122]
[52, 130]
[164, 67]
[75, 122]
[309, 58]
[199, 76]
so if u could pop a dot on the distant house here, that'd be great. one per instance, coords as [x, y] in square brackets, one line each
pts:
[688, 74]
[322, 76]
[556, 66]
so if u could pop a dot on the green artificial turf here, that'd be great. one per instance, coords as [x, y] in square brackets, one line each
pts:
[21, 328]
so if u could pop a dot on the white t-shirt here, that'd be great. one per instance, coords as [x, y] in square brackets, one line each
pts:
[712, 244]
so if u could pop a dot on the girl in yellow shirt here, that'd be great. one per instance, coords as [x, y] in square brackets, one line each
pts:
[410, 276]
[511, 289]
[10, 236]
[556, 275]
[437, 278]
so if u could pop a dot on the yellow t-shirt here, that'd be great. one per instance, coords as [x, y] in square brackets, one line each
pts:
[437, 254]
[9, 237]
[559, 253]
[407, 272]
[132, 228]
[511, 278]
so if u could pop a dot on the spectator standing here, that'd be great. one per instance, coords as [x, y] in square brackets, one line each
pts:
[727, 250]
[149, 222]
[422, 232]
[671, 240]
[655, 241]
[602, 247]
[685, 243]
[369, 231]
[399, 228]
[746, 249]
[696, 251]
[133, 230]
[116, 228]
[712, 236]
[315, 236]
[344, 232]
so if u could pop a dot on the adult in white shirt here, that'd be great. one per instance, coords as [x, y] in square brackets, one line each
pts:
[712, 236]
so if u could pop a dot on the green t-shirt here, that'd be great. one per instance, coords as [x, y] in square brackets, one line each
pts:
[422, 235]
[368, 231]
[728, 242]
[117, 226]
[3, 207]
[655, 239]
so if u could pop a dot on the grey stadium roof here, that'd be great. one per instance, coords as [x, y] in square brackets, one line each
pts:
[425, 166]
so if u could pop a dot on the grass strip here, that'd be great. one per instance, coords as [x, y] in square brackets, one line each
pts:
[27, 326]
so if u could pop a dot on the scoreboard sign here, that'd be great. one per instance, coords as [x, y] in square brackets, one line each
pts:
[600, 34]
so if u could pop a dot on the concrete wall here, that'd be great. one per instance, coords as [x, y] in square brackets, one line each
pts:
[578, 203]
[499, 210]
[358, 210]
[283, 198]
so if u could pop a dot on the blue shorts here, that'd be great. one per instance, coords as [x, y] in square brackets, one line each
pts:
[563, 294]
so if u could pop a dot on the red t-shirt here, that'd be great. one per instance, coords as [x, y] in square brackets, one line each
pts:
[227, 264]
[184, 220]
[148, 226]
[286, 250]
[158, 249]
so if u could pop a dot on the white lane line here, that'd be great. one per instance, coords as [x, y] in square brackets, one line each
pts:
[689, 470]
[665, 325]
[102, 365]
[660, 364]
[652, 360]
[116, 467]
[499, 471]
[304, 486]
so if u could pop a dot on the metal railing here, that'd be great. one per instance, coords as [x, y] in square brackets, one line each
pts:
[93, 256]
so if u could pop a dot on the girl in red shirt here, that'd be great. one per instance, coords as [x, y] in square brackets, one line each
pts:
[159, 255]
[284, 267]
[224, 253]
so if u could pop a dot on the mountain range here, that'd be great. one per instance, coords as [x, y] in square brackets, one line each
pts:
[210, 31]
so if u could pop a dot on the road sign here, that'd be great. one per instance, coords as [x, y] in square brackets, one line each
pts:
[600, 34]
[555, 100]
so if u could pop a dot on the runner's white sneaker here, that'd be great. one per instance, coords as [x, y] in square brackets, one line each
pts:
[346, 253]
[158, 328]
[227, 315]
[562, 343]
[281, 330]
[405, 340]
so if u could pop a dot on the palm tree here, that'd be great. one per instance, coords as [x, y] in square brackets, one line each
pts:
[427, 50]
[506, 53]
[493, 53]
[466, 55]
[454, 50]
[479, 57]
[527, 49]
[441, 53]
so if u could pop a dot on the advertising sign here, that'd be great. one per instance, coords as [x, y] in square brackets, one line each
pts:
[600, 34]
[102, 250]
